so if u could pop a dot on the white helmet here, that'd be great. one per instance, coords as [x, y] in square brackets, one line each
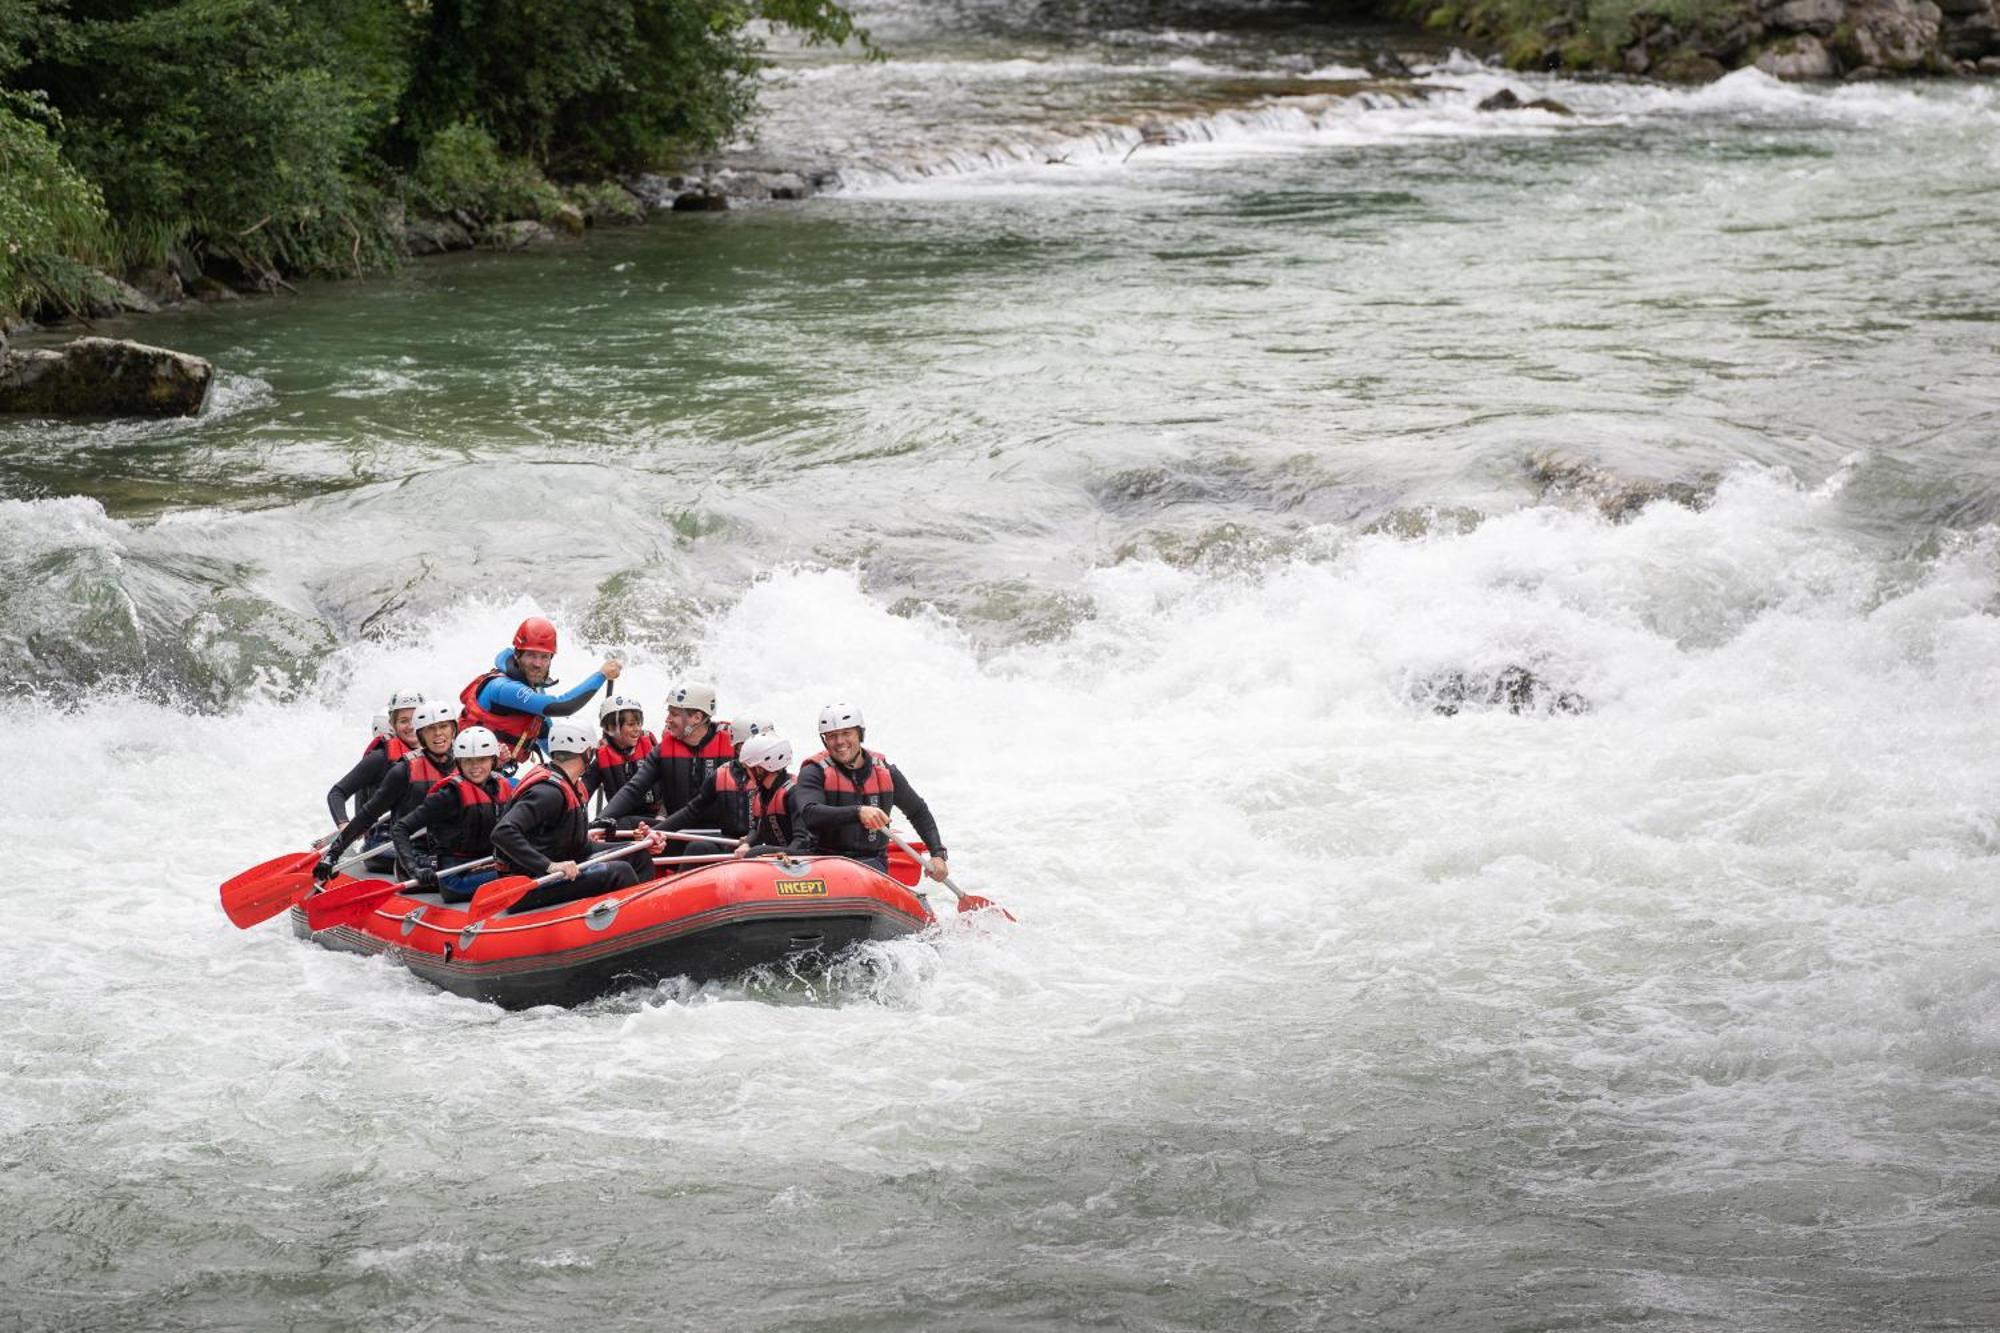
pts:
[773, 753]
[567, 737]
[693, 694]
[619, 703]
[380, 724]
[835, 716]
[430, 714]
[475, 743]
[402, 699]
[743, 729]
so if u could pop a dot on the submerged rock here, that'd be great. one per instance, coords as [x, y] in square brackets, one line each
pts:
[655, 193]
[1508, 100]
[105, 377]
[1616, 496]
[1514, 688]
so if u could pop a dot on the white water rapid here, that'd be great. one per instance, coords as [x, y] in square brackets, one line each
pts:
[1171, 514]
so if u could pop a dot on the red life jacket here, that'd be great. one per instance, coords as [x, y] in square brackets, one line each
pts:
[771, 814]
[614, 768]
[471, 834]
[394, 744]
[717, 746]
[543, 773]
[426, 772]
[511, 727]
[610, 756]
[567, 839]
[840, 788]
[877, 789]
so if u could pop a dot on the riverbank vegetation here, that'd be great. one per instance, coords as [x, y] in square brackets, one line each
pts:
[259, 138]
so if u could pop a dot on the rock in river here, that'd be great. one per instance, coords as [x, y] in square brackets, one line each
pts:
[104, 377]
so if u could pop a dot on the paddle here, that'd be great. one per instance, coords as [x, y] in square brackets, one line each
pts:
[967, 902]
[350, 902]
[263, 891]
[501, 894]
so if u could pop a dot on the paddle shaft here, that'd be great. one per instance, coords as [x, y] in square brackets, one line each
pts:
[923, 861]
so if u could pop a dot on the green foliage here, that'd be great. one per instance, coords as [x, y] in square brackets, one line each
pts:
[52, 220]
[217, 121]
[589, 87]
[276, 135]
[606, 202]
[461, 168]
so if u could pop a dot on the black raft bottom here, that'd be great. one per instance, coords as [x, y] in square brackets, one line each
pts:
[716, 954]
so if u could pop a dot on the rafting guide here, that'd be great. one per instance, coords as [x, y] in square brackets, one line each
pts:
[501, 849]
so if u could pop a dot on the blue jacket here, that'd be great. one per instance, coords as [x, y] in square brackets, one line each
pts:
[507, 692]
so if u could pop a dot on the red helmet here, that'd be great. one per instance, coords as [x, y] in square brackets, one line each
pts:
[535, 635]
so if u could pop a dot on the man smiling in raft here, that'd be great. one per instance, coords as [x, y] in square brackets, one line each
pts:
[844, 794]
[512, 700]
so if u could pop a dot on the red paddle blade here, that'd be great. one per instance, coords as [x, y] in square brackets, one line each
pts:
[261, 899]
[289, 863]
[498, 895]
[347, 903]
[972, 902]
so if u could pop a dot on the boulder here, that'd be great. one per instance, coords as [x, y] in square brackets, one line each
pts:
[1615, 495]
[108, 296]
[1504, 100]
[701, 201]
[569, 218]
[1819, 17]
[1990, 66]
[105, 377]
[517, 235]
[656, 193]
[434, 236]
[1687, 64]
[613, 206]
[1801, 57]
[205, 288]
[1896, 36]
[1973, 35]
[791, 185]
[162, 286]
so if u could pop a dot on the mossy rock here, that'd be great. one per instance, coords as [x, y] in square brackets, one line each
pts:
[1685, 64]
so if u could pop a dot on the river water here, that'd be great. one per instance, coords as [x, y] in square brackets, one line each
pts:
[1152, 501]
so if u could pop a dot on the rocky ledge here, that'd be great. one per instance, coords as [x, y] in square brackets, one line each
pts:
[1699, 40]
[103, 377]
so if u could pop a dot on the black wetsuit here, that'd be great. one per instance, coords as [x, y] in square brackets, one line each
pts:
[829, 821]
[669, 777]
[545, 823]
[361, 780]
[394, 796]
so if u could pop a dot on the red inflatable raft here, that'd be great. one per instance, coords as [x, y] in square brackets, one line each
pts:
[708, 924]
